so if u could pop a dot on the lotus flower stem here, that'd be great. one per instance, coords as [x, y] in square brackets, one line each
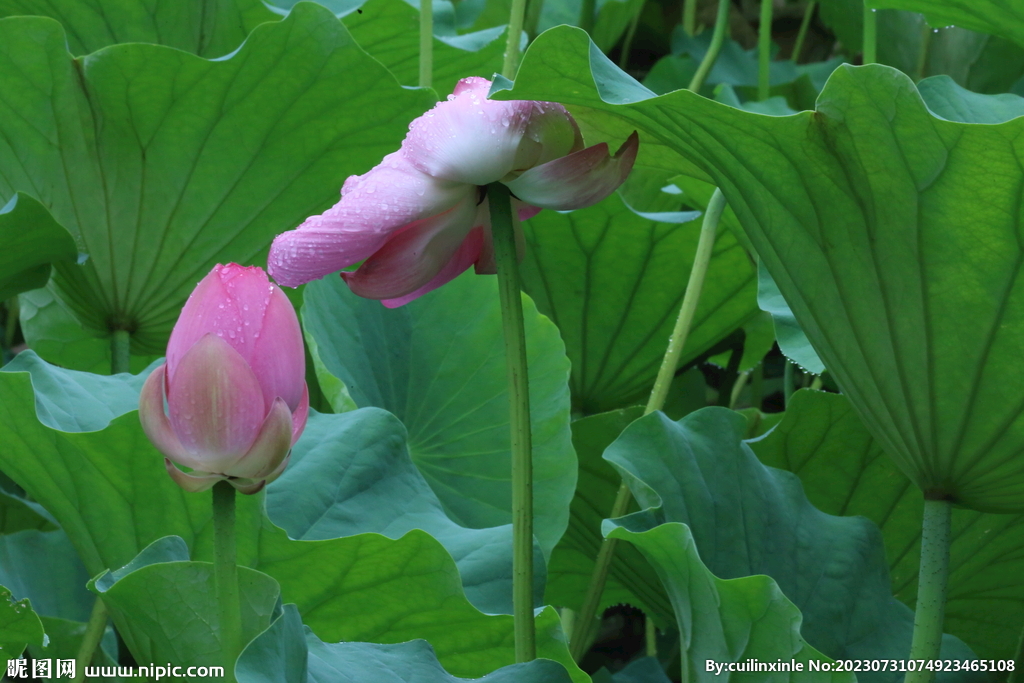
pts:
[515, 33]
[798, 46]
[931, 587]
[120, 352]
[717, 38]
[690, 17]
[870, 40]
[426, 43]
[91, 640]
[764, 50]
[580, 642]
[225, 576]
[507, 260]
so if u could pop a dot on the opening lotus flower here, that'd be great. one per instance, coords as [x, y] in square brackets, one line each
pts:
[421, 217]
[234, 383]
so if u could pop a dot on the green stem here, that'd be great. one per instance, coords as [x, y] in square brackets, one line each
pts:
[690, 17]
[701, 261]
[764, 50]
[580, 642]
[120, 352]
[922, 52]
[225, 576]
[817, 383]
[506, 257]
[870, 40]
[426, 43]
[650, 638]
[533, 12]
[798, 46]
[931, 587]
[627, 42]
[757, 386]
[11, 325]
[788, 383]
[515, 33]
[91, 640]
[588, 8]
[717, 38]
[737, 389]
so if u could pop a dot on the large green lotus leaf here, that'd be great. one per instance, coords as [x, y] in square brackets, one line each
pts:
[631, 579]
[389, 31]
[19, 626]
[352, 474]
[999, 17]
[792, 340]
[725, 620]
[174, 602]
[31, 241]
[950, 101]
[45, 568]
[697, 477]
[289, 653]
[438, 364]
[52, 330]
[108, 490]
[643, 670]
[162, 163]
[210, 28]
[864, 212]
[612, 280]
[845, 472]
[18, 514]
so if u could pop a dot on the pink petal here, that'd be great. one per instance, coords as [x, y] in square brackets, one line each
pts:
[374, 205]
[216, 404]
[277, 358]
[580, 179]
[193, 483]
[271, 446]
[470, 139]
[248, 486]
[155, 423]
[300, 415]
[467, 255]
[231, 301]
[413, 256]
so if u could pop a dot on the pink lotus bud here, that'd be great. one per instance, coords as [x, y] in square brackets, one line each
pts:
[234, 383]
[421, 217]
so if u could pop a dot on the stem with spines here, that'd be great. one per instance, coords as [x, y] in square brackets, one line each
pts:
[932, 579]
[225, 576]
[507, 259]
[426, 43]
[584, 625]
[515, 33]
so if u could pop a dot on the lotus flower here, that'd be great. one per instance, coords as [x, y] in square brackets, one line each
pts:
[234, 383]
[421, 217]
